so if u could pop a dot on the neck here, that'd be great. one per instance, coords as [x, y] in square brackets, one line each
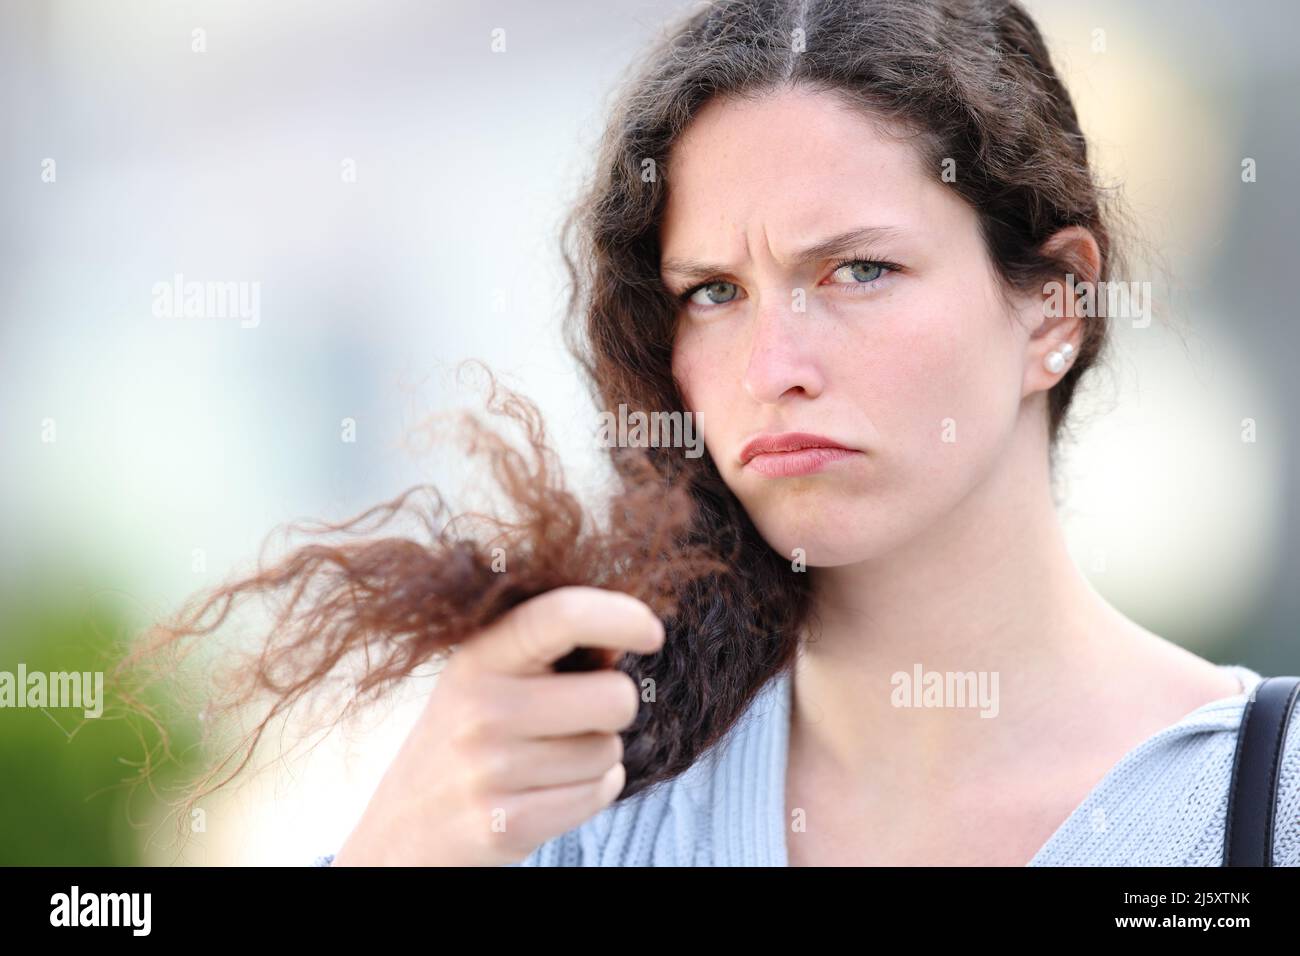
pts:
[988, 590]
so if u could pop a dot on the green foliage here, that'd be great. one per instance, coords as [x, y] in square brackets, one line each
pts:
[71, 790]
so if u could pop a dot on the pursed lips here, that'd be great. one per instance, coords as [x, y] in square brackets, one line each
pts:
[786, 442]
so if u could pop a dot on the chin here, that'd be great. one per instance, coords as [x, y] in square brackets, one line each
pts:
[830, 538]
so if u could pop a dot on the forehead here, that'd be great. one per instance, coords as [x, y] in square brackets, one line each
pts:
[794, 164]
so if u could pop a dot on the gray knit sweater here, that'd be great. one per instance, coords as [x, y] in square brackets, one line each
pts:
[1163, 804]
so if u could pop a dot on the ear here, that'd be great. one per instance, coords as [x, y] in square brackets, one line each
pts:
[1057, 319]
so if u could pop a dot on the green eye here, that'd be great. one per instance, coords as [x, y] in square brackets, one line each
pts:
[717, 293]
[862, 271]
[854, 273]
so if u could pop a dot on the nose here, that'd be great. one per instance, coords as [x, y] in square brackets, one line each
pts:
[782, 355]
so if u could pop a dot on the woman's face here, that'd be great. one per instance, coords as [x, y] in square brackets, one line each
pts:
[919, 366]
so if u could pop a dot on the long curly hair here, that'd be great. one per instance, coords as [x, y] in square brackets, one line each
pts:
[969, 81]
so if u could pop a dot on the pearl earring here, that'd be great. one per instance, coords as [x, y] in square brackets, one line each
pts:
[1056, 360]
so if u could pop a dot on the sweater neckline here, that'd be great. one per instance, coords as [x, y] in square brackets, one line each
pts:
[765, 745]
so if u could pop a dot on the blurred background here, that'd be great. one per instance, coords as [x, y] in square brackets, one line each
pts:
[391, 188]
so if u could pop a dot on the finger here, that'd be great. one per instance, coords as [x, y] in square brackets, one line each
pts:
[551, 761]
[562, 705]
[529, 638]
[545, 812]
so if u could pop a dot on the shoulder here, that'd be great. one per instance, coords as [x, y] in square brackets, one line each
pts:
[1166, 802]
[1286, 831]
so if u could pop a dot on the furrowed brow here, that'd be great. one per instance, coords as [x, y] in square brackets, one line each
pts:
[840, 244]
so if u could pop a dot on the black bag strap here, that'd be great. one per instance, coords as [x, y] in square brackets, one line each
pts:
[1252, 794]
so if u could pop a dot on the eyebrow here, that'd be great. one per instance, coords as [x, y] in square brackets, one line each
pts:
[844, 242]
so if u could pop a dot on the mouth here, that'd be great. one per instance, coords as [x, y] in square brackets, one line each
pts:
[792, 454]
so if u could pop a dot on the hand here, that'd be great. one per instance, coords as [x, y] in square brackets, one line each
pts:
[508, 753]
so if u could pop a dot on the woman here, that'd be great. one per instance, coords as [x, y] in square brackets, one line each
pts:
[832, 231]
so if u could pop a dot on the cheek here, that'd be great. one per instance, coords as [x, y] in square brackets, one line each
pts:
[685, 365]
[704, 368]
[940, 383]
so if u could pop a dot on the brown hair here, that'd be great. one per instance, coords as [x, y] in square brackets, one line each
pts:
[973, 82]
